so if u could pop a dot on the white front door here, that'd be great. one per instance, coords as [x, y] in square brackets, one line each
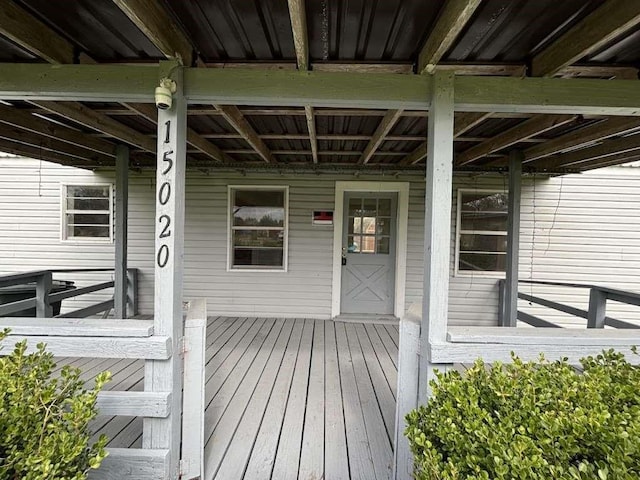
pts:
[369, 253]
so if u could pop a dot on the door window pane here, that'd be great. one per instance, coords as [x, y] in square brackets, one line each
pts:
[369, 220]
[383, 245]
[384, 207]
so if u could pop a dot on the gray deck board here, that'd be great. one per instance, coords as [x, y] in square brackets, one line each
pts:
[300, 399]
[336, 465]
[287, 460]
[235, 460]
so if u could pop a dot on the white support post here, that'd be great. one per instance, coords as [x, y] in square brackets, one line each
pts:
[122, 199]
[195, 332]
[166, 376]
[513, 240]
[437, 237]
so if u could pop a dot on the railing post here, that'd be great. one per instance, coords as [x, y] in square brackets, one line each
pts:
[132, 291]
[501, 302]
[122, 199]
[597, 308]
[408, 371]
[43, 289]
[193, 401]
[513, 240]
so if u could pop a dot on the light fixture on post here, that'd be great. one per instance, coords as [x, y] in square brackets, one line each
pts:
[164, 93]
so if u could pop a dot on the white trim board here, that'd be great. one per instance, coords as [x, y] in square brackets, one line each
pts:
[402, 189]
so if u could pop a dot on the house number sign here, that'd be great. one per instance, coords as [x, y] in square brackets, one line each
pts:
[164, 196]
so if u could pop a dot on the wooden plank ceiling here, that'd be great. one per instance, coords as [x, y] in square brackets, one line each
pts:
[468, 37]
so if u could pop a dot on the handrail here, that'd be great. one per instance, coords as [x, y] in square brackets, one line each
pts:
[595, 315]
[43, 298]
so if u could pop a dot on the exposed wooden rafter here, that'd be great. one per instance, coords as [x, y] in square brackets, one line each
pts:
[150, 112]
[606, 128]
[18, 135]
[37, 153]
[609, 21]
[41, 127]
[33, 35]
[384, 127]
[158, 26]
[77, 112]
[615, 146]
[463, 122]
[232, 114]
[454, 16]
[311, 127]
[528, 128]
[297, 13]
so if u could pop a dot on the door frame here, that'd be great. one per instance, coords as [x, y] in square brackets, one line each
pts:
[402, 225]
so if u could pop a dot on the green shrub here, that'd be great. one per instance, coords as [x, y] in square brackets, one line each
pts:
[531, 421]
[44, 419]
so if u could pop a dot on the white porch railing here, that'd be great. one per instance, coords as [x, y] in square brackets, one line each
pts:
[494, 344]
[133, 339]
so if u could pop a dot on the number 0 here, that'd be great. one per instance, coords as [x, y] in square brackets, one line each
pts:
[163, 256]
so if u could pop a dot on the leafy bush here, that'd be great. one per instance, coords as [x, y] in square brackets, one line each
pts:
[44, 419]
[531, 421]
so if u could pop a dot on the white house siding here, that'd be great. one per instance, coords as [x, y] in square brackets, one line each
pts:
[572, 242]
[30, 225]
[583, 229]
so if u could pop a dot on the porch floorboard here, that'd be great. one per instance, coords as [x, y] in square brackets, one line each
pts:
[294, 398]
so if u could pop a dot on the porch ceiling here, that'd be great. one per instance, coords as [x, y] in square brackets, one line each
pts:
[569, 39]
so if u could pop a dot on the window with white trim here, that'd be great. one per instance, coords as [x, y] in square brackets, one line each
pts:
[87, 213]
[482, 231]
[258, 228]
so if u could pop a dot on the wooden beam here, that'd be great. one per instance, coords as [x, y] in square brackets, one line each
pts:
[89, 118]
[384, 127]
[615, 146]
[150, 112]
[18, 135]
[503, 70]
[33, 35]
[159, 27]
[593, 133]
[109, 83]
[402, 68]
[334, 90]
[453, 17]
[527, 129]
[608, 22]
[39, 126]
[311, 127]
[547, 95]
[298, 16]
[232, 115]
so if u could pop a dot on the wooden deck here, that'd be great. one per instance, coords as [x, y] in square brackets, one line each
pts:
[286, 399]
